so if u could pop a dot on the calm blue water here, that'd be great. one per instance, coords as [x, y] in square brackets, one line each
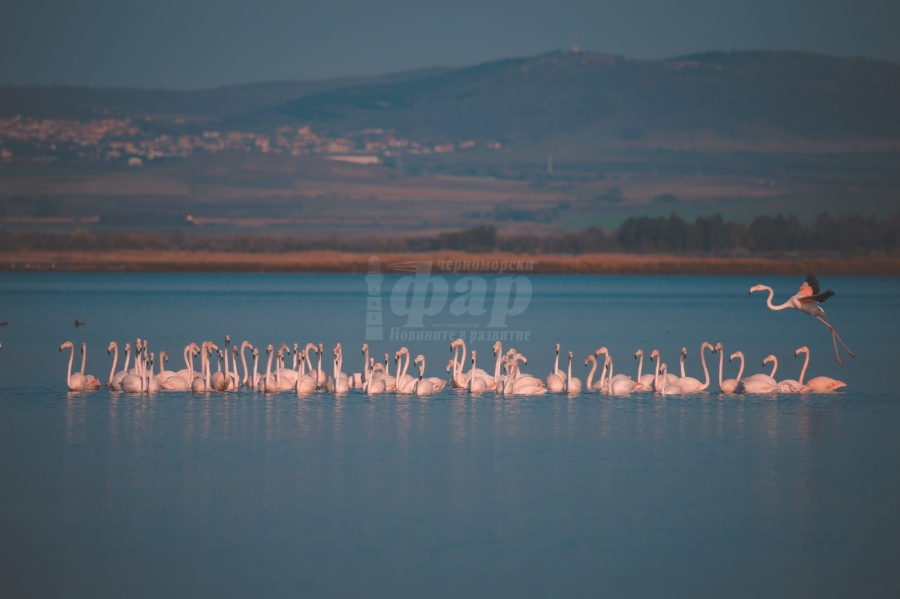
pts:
[242, 494]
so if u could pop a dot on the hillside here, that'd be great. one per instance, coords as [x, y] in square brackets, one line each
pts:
[763, 100]
[72, 102]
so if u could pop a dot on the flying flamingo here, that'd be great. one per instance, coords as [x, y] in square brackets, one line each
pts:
[819, 383]
[807, 300]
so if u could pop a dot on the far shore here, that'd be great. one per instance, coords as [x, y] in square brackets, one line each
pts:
[441, 262]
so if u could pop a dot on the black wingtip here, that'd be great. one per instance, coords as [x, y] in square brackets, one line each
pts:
[813, 282]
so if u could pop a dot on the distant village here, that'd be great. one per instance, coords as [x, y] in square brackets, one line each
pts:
[126, 141]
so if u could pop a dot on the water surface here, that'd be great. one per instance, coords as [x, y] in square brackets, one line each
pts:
[245, 494]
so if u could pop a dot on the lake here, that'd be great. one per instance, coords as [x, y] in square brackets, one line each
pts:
[244, 494]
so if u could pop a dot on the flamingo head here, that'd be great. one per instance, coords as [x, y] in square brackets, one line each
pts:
[801, 350]
[365, 348]
[756, 288]
[227, 340]
[663, 368]
[602, 350]
[269, 349]
[164, 357]
[557, 349]
[419, 358]
[719, 347]
[66, 345]
[769, 358]
[571, 355]
[195, 349]
[234, 350]
[83, 346]
[590, 358]
[684, 352]
[112, 346]
[255, 352]
[498, 347]
[638, 354]
[473, 356]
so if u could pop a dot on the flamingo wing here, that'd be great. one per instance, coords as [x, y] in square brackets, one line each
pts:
[811, 284]
[820, 297]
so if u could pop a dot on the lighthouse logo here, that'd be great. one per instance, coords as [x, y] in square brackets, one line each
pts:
[421, 298]
[374, 321]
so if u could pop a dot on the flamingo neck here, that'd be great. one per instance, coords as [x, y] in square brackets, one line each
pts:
[656, 373]
[556, 364]
[640, 367]
[71, 361]
[772, 306]
[112, 371]
[705, 370]
[805, 364]
[741, 369]
[774, 367]
[721, 363]
[83, 358]
[590, 377]
[244, 362]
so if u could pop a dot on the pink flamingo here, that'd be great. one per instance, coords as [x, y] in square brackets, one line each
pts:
[807, 300]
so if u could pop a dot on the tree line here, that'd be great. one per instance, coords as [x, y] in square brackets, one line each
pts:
[707, 235]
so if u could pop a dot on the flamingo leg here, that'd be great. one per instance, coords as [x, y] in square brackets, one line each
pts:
[834, 339]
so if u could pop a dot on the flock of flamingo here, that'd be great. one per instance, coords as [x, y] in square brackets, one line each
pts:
[376, 378]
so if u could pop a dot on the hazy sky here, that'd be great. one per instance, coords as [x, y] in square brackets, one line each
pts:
[204, 43]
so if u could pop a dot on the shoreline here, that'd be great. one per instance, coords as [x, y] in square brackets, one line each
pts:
[443, 262]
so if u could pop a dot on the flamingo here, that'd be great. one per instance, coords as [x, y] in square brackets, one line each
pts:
[116, 377]
[642, 382]
[74, 381]
[305, 382]
[244, 345]
[807, 300]
[337, 384]
[670, 378]
[573, 385]
[268, 383]
[601, 383]
[405, 382]
[423, 385]
[476, 384]
[606, 364]
[555, 381]
[728, 385]
[667, 388]
[819, 383]
[508, 385]
[762, 383]
[620, 385]
[690, 384]
[390, 381]
[91, 383]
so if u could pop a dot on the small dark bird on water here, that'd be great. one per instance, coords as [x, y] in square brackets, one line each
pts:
[78, 323]
[4, 323]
